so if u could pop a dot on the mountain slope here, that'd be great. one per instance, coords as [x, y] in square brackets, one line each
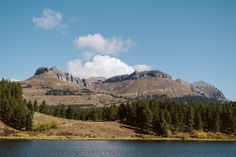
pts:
[157, 83]
[56, 86]
[146, 86]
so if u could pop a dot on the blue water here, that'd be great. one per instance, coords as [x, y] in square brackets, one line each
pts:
[68, 148]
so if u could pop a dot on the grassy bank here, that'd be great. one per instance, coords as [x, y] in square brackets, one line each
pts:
[48, 135]
[111, 139]
[52, 128]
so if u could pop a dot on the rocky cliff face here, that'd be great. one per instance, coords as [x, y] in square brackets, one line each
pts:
[207, 90]
[41, 70]
[56, 72]
[138, 75]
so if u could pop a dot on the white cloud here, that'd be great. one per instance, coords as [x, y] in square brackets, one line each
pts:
[142, 67]
[97, 44]
[50, 19]
[100, 65]
[87, 55]
[99, 53]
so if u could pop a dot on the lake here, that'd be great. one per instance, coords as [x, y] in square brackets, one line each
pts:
[67, 148]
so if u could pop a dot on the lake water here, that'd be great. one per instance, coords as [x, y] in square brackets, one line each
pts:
[37, 148]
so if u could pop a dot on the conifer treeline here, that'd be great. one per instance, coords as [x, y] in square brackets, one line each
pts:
[14, 111]
[163, 117]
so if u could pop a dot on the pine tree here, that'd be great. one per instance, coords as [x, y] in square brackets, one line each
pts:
[122, 112]
[147, 119]
[62, 111]
[130, 112]
[156, 124]
[165, 127]
[57, 111]
[217, 122]
[35, 106]
[93, 115]
[198, 121]
[43, 108]
[30, 106]
[176, 121]
[190, 119]
[70, 113]
[29, 121]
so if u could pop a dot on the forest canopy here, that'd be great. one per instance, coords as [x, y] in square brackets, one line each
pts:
[163, 117]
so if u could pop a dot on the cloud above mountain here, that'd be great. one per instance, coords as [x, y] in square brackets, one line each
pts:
[93, 44]
[142, 67]
[101, 57]
[50, 19]
[102, 65]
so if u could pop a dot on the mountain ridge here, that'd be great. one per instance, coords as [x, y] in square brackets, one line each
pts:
[136, 84]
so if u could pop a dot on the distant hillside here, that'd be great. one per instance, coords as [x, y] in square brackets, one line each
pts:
[157, 83]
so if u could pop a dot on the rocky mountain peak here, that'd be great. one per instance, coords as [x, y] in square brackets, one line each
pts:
[208, 90]
[138, 75]
[152, 73]
[58, 73]
[41, 70]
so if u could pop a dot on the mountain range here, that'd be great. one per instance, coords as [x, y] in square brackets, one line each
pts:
[59, 87]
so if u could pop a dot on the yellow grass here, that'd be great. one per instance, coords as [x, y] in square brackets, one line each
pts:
[52, 128]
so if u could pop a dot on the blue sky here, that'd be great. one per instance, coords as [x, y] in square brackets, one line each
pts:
[192, 40]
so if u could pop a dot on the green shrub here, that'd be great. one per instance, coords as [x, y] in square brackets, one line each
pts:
[46, 126]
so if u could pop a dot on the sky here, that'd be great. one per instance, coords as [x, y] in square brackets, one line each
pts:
[188, 39]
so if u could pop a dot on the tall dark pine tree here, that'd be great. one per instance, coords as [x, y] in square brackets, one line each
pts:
[57, 110]
[190, 119]
[122, 112]
[217, 122]
[70, 113]
[176, 121]
[29, 121]
[30, 106]
[35, 106]
[209, 119]
[156, 123]
[62, 111]
[94, 115]
[198, 121]
[43, 108]
[147, 119]
[165, 127]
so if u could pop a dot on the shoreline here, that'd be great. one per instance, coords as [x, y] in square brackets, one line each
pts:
[112, 139]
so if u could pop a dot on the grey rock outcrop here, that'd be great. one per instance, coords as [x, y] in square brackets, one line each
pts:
[138, 75]
[207, 90]
[58, 73]
[41, 70]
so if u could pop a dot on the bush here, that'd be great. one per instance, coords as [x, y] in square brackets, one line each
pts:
[199, 134]
[46, 126]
